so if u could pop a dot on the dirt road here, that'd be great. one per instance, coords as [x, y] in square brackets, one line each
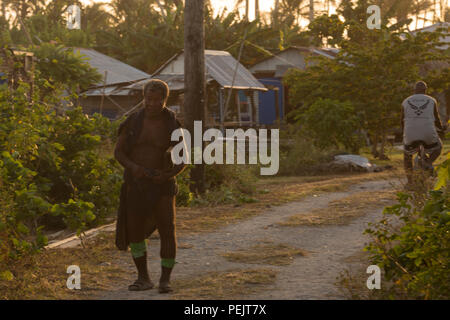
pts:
[329, 248]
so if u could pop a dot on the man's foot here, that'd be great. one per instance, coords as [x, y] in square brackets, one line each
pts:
[164, 281]
[164, 287]
[141, 285]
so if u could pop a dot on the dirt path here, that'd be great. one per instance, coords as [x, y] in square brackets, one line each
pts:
[312, 276]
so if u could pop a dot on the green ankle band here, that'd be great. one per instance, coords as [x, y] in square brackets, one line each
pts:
[168, 263]
[138, 249]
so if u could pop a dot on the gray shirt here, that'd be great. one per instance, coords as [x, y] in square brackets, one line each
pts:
[420, 119]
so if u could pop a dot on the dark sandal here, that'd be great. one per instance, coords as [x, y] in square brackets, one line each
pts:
[140, 285]
[166, 288]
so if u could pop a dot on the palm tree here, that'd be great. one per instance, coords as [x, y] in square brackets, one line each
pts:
[275, 13]
[95, 18]
[288, 12]
[257, 9]
[421, 7]
[247, 8]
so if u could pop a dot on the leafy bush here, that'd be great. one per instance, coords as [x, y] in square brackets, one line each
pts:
[184, 196]
[332, 123]
[60, 65]
[51, 167]
[299, 155]
[229, 183]
[415, 250]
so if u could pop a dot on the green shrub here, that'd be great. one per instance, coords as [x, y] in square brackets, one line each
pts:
[331, 124]
[184, 196]
[415, 254]
[300, 156]
[231, 183]
[51, 167]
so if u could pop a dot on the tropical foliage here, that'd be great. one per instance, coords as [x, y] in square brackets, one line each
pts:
[412, 244]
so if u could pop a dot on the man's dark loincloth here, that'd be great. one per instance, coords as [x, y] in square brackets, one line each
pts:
[136, 219]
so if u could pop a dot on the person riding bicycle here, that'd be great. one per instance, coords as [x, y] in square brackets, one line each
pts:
[420, 121]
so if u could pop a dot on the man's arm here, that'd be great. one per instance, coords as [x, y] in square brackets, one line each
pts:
[178, 168]
[124, 160]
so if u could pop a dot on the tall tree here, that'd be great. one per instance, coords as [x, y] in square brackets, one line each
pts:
[257, 9]
[247, 8]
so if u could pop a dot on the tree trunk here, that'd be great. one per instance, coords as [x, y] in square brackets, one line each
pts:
[435, 17]
[247, 4]
[374, 140]
[275, 13]
[194, 73]
[442, 6]
[256, 9]
[311, 10]
[381, 153]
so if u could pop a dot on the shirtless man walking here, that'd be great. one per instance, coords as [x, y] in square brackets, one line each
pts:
[147, 200]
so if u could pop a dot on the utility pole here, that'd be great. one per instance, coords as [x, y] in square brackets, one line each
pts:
[194, 80]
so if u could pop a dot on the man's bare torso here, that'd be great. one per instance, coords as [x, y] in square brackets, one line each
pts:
[152, 143]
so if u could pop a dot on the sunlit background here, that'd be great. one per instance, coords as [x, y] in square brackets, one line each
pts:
[320, 7]
[265, 6]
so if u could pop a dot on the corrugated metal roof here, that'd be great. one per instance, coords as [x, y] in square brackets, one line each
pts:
[118, 90]
[326, 52]
[221, 66]
[100, 91]
[174, 81]
[117, 71]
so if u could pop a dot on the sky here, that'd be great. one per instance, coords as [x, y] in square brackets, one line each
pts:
[264, 5]
[219, 5]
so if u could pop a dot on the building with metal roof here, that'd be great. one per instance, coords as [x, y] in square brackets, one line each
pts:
[231, 89]
[113, 71]
[274, 104]
[112, 96]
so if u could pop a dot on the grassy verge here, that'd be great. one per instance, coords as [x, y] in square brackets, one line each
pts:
[44, 276]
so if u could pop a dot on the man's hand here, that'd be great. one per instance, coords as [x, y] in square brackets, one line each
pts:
[162, 177]
[138, 171]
